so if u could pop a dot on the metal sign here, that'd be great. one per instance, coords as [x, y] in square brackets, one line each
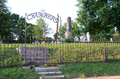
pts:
[41, 14]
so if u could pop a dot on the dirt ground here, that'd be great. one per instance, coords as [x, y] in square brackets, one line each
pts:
[101, 77]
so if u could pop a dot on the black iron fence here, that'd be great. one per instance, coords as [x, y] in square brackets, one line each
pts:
[15, 52]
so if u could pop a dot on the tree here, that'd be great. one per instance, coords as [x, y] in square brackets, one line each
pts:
[29, 31]
[75, 28]
[4, 19]
[3, 5]
[41, 29]
[93, 15]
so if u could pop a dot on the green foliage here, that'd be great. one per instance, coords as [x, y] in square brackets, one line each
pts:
[98, 17]
[116, 36]
[10, 56]
[69, 40]
[12, 25]
[41, 29]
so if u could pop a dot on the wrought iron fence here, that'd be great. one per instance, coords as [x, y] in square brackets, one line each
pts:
[15, 52]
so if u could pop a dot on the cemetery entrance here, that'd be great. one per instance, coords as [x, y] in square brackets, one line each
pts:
[45, 51]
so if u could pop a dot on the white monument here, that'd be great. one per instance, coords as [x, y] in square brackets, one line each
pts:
[88, 37]
[76, 39]
[82, 38]
[111, 39]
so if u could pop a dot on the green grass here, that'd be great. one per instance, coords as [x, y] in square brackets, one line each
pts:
[18, 73]
[70, 52]
[81, 70]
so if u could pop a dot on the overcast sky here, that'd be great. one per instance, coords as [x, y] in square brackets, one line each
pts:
[64, 8]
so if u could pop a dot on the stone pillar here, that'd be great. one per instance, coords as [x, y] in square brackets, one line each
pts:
[56, 33]
[69, 32]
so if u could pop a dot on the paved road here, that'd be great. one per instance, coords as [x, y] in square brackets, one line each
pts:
[101, 77]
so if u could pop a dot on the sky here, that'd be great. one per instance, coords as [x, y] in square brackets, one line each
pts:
[65, 8]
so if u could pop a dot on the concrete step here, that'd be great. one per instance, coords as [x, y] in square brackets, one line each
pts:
[54, 77]
[48, 69]
[46, 73]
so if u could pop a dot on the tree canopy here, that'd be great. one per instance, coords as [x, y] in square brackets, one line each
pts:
[98, 16]
[41, 29]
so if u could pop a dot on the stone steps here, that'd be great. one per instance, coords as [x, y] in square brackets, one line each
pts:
[46, 73]
[48, 69]
[54, 71]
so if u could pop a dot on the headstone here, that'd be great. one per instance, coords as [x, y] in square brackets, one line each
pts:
[43, 42]
[76, 39]
[88, 37]
[111, 39]
[1, 41]
[83, 38]
[69, 32]
[32, 42]
[51, 42]
[36, 42]
[61, 40]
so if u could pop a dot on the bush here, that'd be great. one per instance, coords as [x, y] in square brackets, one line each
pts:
[116, 37]
[69, 40]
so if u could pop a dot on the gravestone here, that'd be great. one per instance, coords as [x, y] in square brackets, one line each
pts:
[76, 39]
[111, 39]
[43, 42]
[34, 54]
[82, 38]
[51, 42]
[33, 43]
[69, 32]
[36, 42]
[88, 37]
[62, 40]
[1, 41]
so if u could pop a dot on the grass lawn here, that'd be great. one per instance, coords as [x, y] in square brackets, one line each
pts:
[17, 73]
[70, 52]
[81, 70]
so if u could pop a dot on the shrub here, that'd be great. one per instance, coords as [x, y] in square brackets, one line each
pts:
[69, 40]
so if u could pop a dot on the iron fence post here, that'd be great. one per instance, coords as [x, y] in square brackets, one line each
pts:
[0, 50]
[60, 59]
[106, 59]
[25, 39]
